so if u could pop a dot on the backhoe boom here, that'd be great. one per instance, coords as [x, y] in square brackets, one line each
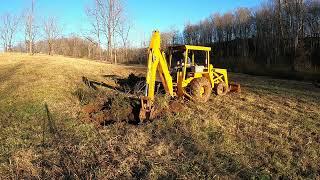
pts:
[156, 63]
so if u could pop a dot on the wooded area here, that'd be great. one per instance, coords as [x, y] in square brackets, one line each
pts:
[280, 35]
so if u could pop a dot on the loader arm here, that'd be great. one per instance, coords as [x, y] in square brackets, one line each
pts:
[156, 63]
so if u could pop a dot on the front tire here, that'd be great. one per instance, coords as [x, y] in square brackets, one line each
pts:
[200, 89]
[221, 89]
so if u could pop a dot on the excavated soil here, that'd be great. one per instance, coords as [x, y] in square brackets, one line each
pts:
[124, 109]
[109, 110]
[124, 106]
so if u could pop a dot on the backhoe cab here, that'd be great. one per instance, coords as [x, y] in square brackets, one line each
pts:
[187, 73]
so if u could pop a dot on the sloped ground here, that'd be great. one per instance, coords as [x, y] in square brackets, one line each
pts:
[270, 130]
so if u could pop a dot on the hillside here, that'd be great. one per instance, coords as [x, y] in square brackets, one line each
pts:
[269, 130]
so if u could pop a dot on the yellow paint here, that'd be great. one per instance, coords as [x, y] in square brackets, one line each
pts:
[202, 91]
[198, 48]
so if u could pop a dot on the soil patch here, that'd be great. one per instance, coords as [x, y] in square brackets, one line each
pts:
[120, 108]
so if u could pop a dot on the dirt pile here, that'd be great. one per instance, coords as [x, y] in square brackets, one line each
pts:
[120, 108]
[124, 106]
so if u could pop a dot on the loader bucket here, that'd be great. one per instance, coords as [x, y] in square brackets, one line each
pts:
[146, 110]
[234, 87]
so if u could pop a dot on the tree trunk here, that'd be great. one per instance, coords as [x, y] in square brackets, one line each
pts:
[30, 47]
[115, 57]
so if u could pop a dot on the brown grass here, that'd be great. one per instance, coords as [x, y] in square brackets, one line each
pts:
[270, 130]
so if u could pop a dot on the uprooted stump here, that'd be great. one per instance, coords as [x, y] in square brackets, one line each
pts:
[118, 108]
[121, 108]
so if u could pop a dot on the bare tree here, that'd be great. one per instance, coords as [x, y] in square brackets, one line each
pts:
[94, 15]
[218, 24]
[242, 22]
[8, 28]
[110, 14]
[91, 45]
[30, 28]
[123, 31]
[177, 37]
[166, 39]
[191, 33]
[51, 31]
[313, 17]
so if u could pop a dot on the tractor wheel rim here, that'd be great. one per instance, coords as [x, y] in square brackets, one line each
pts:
[220, 90]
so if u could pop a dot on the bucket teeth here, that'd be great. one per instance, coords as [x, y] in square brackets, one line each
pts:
[147, 109]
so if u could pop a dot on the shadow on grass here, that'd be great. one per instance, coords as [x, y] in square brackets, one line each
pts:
[131, 84]
[93, 84]
[5, 76]
[9, 72]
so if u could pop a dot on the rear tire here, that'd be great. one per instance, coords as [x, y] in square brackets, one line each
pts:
[221, 89]
[200, 89]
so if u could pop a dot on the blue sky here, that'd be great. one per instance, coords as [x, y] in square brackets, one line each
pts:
[144, 15]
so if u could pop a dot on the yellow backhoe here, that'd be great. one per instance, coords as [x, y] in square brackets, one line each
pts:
[187, 73]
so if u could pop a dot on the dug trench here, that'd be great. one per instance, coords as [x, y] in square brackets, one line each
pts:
[123, 105]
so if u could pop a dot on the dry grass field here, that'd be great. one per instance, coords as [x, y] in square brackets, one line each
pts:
[270, 130]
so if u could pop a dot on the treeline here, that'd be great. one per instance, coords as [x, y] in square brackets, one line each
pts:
[79, 47]
[106, 38]
[280, 35]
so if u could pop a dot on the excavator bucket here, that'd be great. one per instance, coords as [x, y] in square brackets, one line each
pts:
[234, 87]
[146, 110]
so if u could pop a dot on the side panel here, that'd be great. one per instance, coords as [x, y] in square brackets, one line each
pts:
[218, 75]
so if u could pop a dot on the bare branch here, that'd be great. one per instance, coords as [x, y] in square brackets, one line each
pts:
[8, 29]
[52, 32]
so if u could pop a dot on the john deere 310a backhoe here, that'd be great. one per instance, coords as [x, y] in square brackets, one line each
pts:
[187, 73]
